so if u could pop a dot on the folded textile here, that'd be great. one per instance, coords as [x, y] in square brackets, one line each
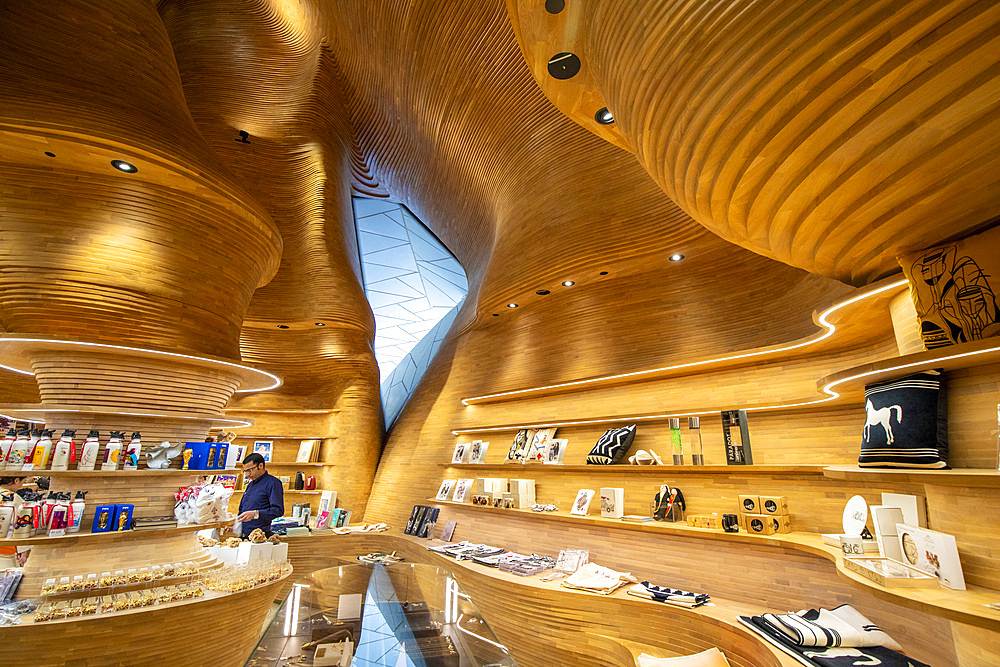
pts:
[598, 579]
[668, 595]
[840, 626]
[830, 656]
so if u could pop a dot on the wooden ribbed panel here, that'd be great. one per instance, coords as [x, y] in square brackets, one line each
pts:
[832, 137]
[133, 384]
[211, 631]
[287, 92]
[905, 324]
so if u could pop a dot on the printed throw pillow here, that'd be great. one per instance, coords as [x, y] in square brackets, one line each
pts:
[613, 446]
[906, 424]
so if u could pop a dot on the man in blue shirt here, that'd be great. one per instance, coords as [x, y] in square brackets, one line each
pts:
[264, 498]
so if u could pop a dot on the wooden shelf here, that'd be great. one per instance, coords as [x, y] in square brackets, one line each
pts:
[170, 472]
[521, 469]
[286, 437]
[286, 463]
[963, 355]
[304, 492]
[962, 606]
[88, 536]
[977, 477]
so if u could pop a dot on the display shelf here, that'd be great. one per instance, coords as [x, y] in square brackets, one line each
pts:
[972, 477]
[293, 464]
[144, 472]
[286, 437]
[527, 468]
[134, 534]
[953, 357]
[303, 492]
[963, 606]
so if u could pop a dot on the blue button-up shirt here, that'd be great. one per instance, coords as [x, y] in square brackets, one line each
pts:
[266, 495]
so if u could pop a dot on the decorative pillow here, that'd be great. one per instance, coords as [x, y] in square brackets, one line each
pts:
[713, 657]
[613, 446]
[906, 425]
[954, 287]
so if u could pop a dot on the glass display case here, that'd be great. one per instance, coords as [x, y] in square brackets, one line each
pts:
[365, 615]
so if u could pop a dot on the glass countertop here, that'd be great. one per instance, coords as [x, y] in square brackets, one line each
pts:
[401, 615]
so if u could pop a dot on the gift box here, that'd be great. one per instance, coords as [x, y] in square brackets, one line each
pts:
[104, 519]
[123, 517]
[200, 455]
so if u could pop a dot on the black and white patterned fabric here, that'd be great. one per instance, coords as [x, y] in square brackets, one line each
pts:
[906, 423]
[830, 656]
[613, 446]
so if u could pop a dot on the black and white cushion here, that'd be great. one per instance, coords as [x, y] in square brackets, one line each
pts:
[906, 423]
[613, 446]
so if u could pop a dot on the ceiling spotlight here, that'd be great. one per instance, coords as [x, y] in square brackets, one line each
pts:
[603, 116]
[496, 314]
[50, 154]
[555, 6]
[122, 165]
[604, 273]
[676, 257]
[543, 292]
[512, 305]
[244, 137]
[568, 283]
[319, 324]
[283, 326]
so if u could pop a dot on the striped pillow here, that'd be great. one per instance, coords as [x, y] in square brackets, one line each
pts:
[906, 423]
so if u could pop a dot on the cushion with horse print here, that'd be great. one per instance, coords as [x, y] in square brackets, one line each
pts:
[906, 423]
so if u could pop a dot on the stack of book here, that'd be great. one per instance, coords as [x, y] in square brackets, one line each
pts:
[636, 518]
[154, 522]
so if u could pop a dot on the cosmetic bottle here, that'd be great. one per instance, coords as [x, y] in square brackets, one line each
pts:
[6, 513]
[22, 521]
[43, 450]
[131, 458]
[65, 451]
[675, 441]
[34, 435]
[47, 505]
[694, 428]
[5, 446]
[17, 450]
[88, 455]
[79, 507]
[112, 451]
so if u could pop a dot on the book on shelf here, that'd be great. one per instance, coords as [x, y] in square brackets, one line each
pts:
[308, 449]
[154, 522]
[636, 518]
[264, 448]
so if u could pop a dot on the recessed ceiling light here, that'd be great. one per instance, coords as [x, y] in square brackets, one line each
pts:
[319, 324]
[568, 283]
[604, 273]
[282, 326]
[676, 257]
[555, 6]
[543, 292]
[564, 65]
[50, 154]
[496, 314]
[122, 165]
[604, 117]
[512, 305]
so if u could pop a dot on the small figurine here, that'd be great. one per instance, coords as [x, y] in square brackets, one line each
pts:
[159, 456]
[187, 454]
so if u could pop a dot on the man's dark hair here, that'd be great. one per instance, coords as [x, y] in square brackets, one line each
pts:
[4, 481]
[254, 458]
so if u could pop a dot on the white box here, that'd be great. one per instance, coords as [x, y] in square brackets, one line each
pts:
[914, 508]
[884, 520]
[248, 552]
[524, 492]
[612, 503]
[279, 552]
[228, 555]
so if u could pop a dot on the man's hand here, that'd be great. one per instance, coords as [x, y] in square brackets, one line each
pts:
[22, 557]
[249, 515]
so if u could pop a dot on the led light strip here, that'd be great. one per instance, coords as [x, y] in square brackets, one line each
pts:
[227, 423]
[276, 381]
[829, 329]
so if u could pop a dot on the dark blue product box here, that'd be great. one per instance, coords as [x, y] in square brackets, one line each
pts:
[123, 517]
[104, 519]
[220, 455]
[204, 456]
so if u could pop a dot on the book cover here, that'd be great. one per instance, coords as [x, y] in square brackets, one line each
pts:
[477, 451]
[228, 481]
[307, 451]
[612, 502]
[263, 447]
[736, 435]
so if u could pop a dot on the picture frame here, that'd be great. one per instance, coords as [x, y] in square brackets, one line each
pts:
[307, 451]
[582, 503]
[461, 453]
[463, 489]
[228, 481]
[477, 451]
[445, 490]
[555, 450]
[264, 448]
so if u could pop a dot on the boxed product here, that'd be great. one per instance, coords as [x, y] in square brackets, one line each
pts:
[760, 524]
[750, 504]
[773, 505]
